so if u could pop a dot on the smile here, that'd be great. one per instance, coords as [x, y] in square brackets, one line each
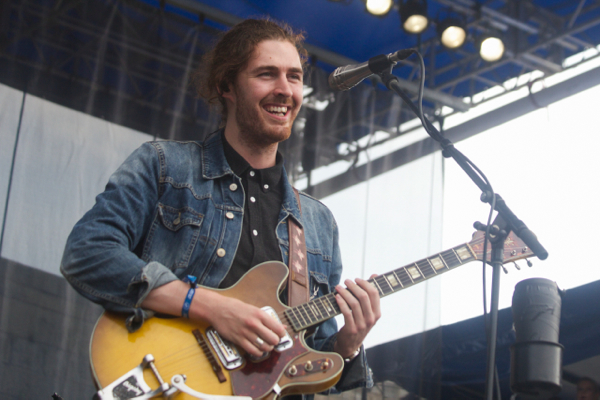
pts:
[279, 111]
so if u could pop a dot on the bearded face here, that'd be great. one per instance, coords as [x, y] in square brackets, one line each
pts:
[267, 94]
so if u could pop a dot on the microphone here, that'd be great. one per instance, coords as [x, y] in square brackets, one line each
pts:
[348, 76]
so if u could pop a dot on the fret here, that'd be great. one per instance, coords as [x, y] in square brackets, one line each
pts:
[408, 272]
[421, 269]
[438, 263]
[452, 259]
[315, 308]
[431, 266]
[295, 321]
[457, 257]
[397, 279]
[388, 282]
[330, 307]
[414, 272]
[299, 309]
[465, 252]
[322, 307]
[409, 280]
[377, 286]
[307, 310]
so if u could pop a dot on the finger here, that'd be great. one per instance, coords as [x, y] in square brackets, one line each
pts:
[349, 306]
[262, 345]
[361, 307]
[271, 328]
[373, 294]
[251, 347]
[345, 309]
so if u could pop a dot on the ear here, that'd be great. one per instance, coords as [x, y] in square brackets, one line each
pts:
[226, 91]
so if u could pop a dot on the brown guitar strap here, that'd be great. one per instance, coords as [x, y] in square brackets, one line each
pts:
[298, 292]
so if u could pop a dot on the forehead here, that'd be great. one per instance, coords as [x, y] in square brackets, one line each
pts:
[275, 53]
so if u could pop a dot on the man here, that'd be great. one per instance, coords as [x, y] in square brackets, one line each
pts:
[587, 389]
[213, 210]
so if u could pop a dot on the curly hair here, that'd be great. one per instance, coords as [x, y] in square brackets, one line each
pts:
[219, 67]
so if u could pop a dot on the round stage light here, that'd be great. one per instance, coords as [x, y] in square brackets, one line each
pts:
[378, 7]
[492, 49]
[452, 33]
[413, 14]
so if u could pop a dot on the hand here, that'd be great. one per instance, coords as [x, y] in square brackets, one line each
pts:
[242, 323]
[360, 307]
[236, 321]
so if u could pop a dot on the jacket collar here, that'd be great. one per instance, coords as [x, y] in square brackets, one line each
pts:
[214, 163]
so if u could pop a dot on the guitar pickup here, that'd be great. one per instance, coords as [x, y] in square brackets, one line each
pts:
[227, 353]
[286, 342]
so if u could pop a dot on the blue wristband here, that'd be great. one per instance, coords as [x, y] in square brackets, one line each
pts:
[185, 310]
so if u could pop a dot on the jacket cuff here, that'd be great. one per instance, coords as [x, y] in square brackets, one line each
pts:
[152, 276]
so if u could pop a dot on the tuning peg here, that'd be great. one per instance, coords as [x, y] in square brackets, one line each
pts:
[529, 263]
[517, 266]
[504, 269]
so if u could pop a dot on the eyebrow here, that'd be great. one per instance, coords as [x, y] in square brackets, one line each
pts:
[274, 68]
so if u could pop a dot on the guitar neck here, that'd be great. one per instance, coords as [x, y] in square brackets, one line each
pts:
[325, 307]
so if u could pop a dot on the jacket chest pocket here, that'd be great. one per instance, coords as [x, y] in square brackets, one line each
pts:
[173, 236]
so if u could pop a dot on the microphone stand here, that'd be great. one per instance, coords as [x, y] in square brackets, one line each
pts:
[505, 221]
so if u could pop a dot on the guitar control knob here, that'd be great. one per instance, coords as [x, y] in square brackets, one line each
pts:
[308, 366]
[292, 371]
[325, 365]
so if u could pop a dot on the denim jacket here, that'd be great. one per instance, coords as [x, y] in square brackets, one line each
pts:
[164, 214]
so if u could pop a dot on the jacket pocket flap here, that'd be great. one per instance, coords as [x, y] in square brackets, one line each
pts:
[175, 218]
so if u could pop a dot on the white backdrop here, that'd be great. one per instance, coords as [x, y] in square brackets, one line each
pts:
[546, 167]
[64, 159]
[389, 222]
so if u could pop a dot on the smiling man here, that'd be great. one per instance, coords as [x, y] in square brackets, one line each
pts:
[210, 211]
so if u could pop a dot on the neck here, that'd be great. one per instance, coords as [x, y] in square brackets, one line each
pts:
[258, 155]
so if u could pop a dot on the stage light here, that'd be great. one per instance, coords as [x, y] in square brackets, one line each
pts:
[413, 14]
[378, 7]
[452, 33]
[491, 48]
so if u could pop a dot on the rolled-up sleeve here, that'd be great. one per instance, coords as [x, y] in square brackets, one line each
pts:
[101, 255]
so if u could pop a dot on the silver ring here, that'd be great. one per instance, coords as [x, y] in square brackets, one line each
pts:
[259, 341]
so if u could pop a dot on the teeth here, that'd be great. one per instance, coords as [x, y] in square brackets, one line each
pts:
[278, 110]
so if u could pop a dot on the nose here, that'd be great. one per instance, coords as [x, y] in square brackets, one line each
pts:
[283, 87]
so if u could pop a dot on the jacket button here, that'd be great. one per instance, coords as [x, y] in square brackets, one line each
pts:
[221, 252]
[233, 187]
[229, 215]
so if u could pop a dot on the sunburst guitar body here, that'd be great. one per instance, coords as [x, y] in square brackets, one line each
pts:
[182, 347]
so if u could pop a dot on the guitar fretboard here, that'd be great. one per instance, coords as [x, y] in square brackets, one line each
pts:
[325, 307]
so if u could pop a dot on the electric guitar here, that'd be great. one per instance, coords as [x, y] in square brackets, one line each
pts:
[187, 360]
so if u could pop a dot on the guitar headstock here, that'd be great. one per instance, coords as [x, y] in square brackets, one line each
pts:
[514, 248]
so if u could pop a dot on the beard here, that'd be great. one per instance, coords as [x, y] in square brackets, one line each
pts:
[255, 130]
